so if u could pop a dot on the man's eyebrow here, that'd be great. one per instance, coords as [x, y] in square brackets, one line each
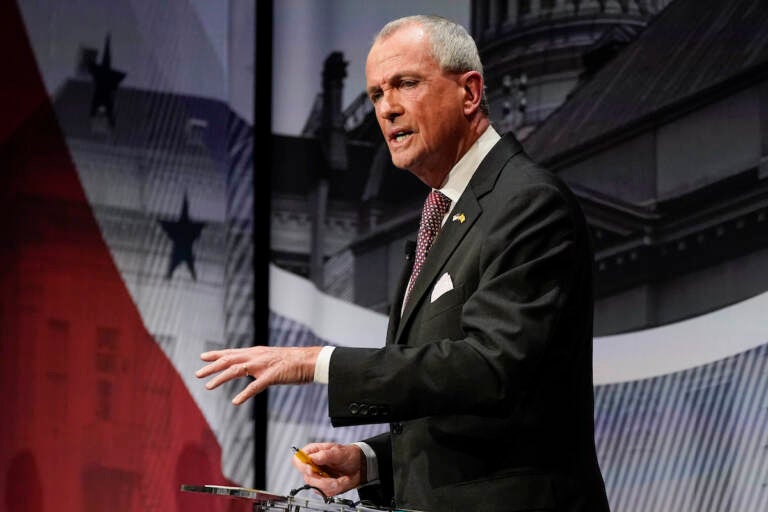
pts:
[372, 89]
[392, 80]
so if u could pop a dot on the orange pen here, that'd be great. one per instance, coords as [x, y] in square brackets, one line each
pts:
[303, 457]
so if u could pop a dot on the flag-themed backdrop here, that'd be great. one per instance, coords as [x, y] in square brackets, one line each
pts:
[126, 217]
[127, 208]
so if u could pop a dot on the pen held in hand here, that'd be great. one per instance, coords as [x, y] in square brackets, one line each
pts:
[303, 457]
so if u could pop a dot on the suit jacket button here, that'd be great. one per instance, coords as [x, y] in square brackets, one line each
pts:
[354, 408]
[396, 428]
[373, 410]
[363, 410]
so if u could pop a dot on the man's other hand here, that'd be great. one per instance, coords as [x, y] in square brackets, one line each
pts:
[342, 462]
[267, 366]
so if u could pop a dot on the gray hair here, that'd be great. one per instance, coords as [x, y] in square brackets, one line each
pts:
[451, 45]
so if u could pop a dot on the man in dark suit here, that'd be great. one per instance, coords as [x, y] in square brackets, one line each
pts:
[486, 379]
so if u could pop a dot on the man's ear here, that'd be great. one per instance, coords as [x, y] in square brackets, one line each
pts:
[473, 91]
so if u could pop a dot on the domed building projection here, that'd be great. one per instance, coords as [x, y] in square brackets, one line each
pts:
[535, 52]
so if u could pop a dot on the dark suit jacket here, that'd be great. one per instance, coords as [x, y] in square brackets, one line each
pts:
[488, 389]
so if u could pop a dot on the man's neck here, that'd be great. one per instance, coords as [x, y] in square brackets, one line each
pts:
[477, 127]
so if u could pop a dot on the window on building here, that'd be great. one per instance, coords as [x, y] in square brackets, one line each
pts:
[106, 350]
[104, 399]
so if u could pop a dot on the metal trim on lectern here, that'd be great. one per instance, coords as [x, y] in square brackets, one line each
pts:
[235, 492]
[267, 502]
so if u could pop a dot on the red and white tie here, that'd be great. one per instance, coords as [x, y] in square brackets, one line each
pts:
[435, 208]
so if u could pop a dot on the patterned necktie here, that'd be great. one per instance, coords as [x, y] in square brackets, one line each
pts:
[435, 208]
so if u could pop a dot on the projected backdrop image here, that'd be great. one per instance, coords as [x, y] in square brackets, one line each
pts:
[130, 174]
[618, 99]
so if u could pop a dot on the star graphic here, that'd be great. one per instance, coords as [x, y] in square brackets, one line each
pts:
[183, 233]
[105, 82]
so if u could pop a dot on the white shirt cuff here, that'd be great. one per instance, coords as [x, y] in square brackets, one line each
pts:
[323, 365]
[372, 464]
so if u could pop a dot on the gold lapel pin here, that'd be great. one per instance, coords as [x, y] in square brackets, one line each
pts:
[459, 217]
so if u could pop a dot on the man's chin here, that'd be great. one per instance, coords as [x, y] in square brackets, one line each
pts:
[401, 163]
[424, 178]
[407, 163]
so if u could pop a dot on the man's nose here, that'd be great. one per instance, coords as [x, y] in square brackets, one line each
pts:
[389, 105]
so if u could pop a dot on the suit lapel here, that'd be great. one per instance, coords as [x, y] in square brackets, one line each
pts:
[447, 240]
[453, 232]
[397, 300]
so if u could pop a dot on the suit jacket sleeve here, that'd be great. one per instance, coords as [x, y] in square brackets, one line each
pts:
[382, 492]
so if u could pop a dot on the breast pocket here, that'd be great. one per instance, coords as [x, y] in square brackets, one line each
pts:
[442, 318]
[450, 300]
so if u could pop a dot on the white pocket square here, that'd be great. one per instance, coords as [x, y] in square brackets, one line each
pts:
[444, 284]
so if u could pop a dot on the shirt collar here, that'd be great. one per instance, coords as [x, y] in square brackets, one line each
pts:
[459, 176]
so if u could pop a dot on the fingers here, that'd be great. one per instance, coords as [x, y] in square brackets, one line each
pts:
[304, 467]
[328, 456]
[252, 389]
[220, 360]
[335, 455]
[213, 355]
[319, 454]
[317, 447]
[229, 364]
[267, 365]
[341, 461]
[232, 364]
[329, 486]
[228, 371]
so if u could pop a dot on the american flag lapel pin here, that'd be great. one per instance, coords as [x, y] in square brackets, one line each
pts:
[459, 217]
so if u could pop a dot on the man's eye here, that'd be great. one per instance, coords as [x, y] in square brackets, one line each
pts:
[375, 97]
[407, 84]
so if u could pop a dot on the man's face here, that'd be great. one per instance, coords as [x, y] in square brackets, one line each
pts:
[419, 107]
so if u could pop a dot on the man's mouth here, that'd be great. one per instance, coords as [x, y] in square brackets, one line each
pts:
[401, 136]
